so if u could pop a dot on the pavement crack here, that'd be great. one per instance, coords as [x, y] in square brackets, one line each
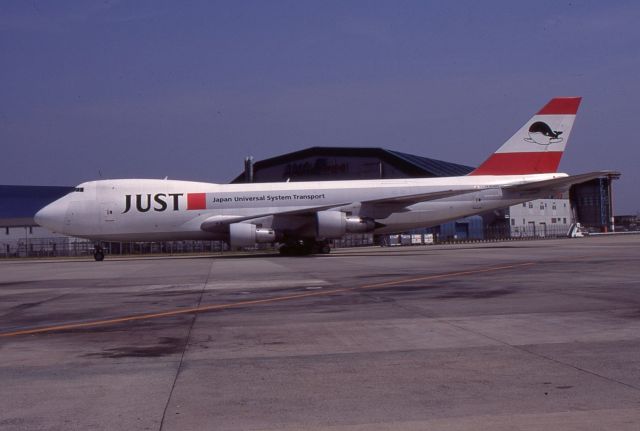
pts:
[577, 368]
[186, 344]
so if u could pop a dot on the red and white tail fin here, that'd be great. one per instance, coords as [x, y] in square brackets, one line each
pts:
[538, 146]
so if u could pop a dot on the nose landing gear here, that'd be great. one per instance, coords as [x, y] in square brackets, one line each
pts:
[98, 253]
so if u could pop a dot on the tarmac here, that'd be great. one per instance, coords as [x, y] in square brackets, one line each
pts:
[526, 335]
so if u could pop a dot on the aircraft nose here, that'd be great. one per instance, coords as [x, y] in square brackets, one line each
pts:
[52, 216]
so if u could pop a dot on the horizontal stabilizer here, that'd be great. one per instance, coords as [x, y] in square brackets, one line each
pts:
[561, 183]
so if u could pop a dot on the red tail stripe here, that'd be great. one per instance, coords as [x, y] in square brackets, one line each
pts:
[520, 163]
[561, 106]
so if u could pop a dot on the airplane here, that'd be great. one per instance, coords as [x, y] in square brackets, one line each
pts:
[304, 216]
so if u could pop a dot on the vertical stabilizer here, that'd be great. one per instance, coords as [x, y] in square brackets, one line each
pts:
[538, 146]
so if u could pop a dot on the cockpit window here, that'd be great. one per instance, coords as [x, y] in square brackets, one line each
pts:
[79, 189]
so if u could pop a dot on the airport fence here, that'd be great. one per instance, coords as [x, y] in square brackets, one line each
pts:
[73, 247]
[464, 235]
[70, 247]
[41, 247]
[507, 233]
[354, 240]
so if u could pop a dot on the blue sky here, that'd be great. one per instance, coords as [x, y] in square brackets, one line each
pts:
[188, 89]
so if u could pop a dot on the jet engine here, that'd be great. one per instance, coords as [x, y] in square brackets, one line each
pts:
[247, 235]
[334, 224]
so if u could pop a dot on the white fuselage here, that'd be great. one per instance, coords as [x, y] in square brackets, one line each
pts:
[154, 210]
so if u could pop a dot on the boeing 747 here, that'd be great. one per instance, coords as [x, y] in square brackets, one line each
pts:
[304, 216]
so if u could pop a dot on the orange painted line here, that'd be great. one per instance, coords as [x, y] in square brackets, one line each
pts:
[212, 307]
[448, 274]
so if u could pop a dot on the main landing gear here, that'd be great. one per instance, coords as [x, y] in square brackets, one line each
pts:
[98, 253]
[304, 248]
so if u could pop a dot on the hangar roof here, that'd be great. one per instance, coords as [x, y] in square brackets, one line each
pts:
[436, 167]
[412, 165]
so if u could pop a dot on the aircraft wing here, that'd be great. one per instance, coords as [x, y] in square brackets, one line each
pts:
[559, 184]
[384, 207]
[389, 204]
[406, 200]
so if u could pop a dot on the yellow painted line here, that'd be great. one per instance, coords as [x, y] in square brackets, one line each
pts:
[200, 309]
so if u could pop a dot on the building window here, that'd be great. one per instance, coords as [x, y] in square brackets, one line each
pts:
[553, 206]
[553, 219]
[564, 220]
[513, 222]
[524, 205]
[6, 230]
[530, 204]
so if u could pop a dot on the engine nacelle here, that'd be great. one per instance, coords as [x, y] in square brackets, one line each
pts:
[360, 225]
[247, 235]
[334, 224]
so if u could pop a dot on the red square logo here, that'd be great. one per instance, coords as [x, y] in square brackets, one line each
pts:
[196, 201]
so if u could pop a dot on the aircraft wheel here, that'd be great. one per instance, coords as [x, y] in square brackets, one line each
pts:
[98, 252]
[300, 249]
[320, 247]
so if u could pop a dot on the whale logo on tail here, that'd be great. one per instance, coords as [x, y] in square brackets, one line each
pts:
[541, 134]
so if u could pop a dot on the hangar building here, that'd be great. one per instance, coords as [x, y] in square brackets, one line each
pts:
[19, 234]
[589, 203]
[351, 163]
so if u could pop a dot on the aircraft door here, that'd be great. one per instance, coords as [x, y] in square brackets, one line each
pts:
[107, 216]
[477, 201]
[107, 213]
